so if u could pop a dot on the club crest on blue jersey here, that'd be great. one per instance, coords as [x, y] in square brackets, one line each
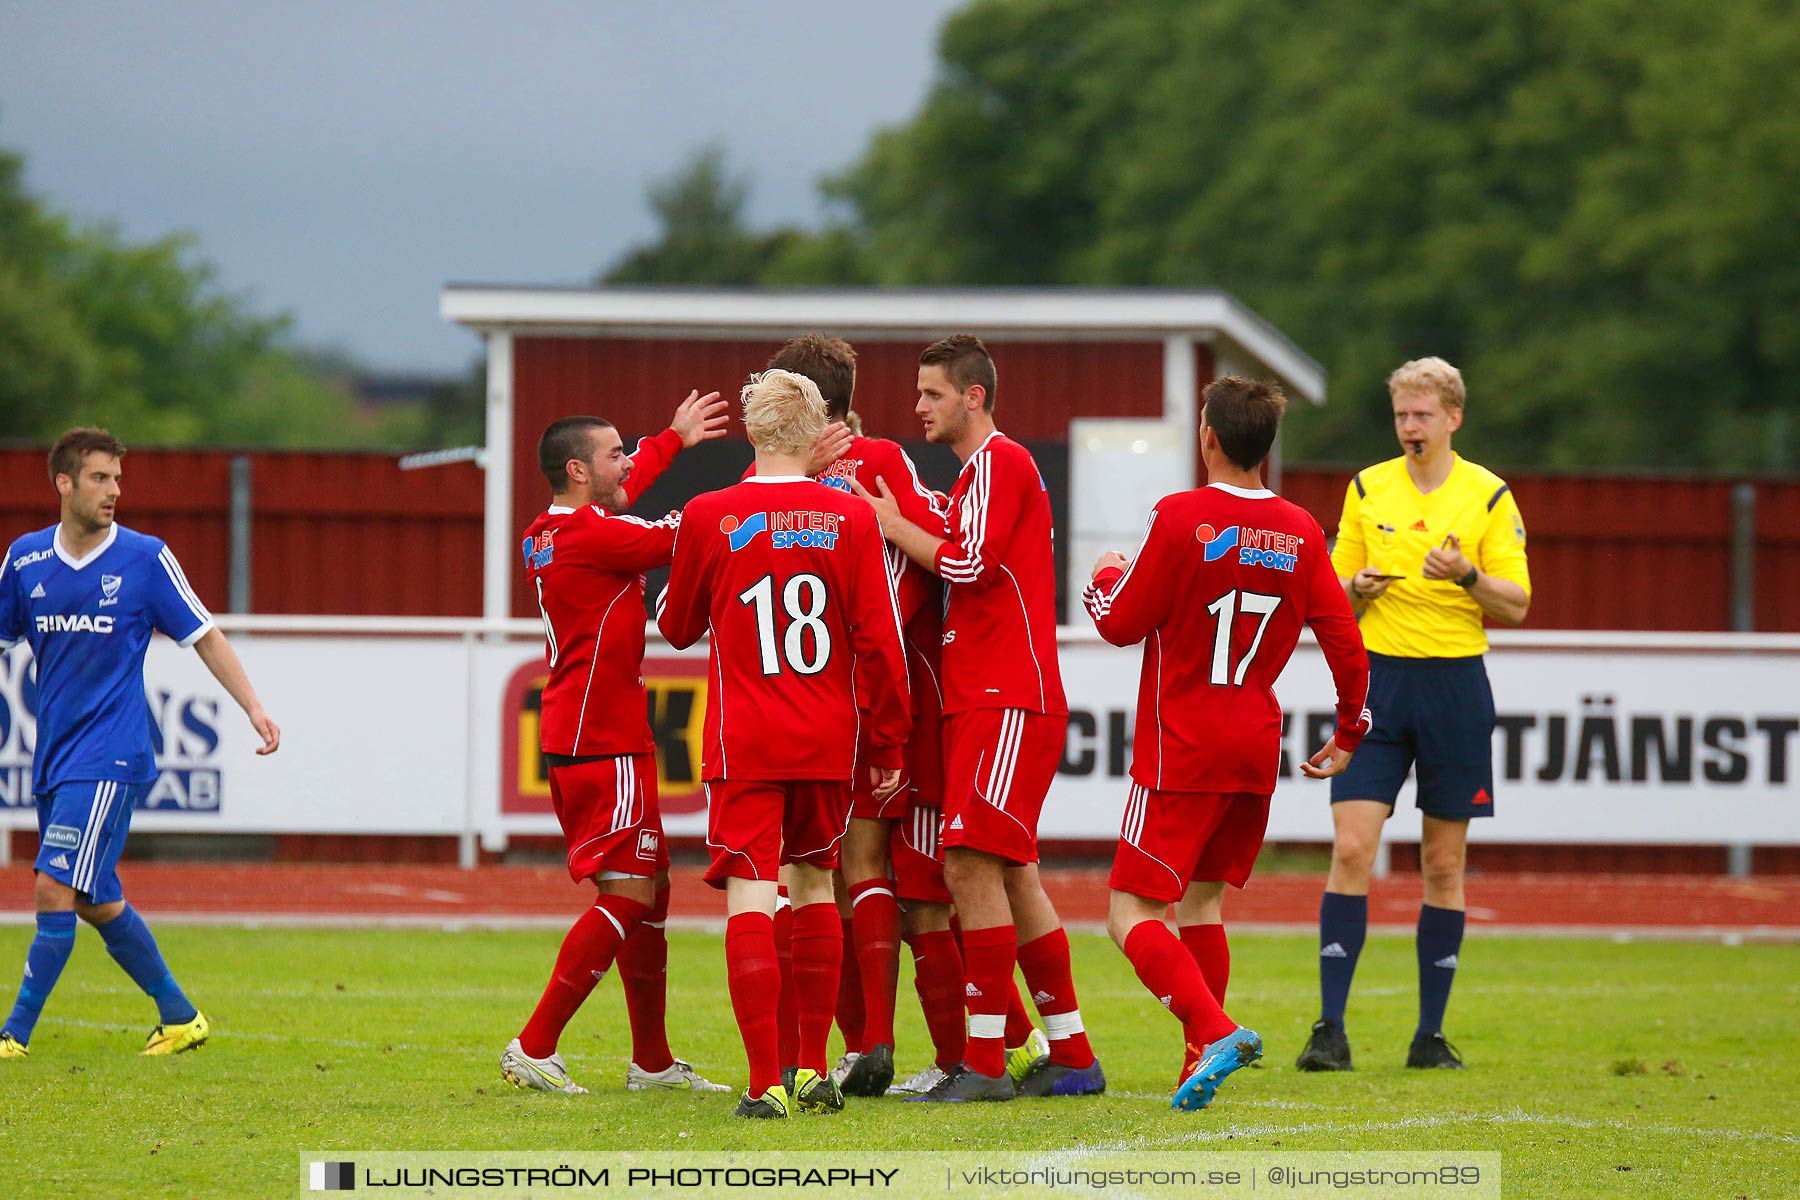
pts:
[1255, 547]
[109, 589]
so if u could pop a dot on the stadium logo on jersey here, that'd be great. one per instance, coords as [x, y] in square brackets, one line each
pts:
[539, 554]
[74, 623]
[739, 534]
[25, 560]
[1255, 547]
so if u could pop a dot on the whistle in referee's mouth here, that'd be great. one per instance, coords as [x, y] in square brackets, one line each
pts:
[1418, 448]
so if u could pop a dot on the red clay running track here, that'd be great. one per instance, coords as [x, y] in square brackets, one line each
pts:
[1680, 906]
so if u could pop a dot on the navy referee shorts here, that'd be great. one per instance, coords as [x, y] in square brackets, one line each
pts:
[1433, 713]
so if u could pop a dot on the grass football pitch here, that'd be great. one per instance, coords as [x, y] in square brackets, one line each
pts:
[1642, 1069]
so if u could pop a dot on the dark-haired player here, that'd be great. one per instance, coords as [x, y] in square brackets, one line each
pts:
[585, 564]
[1225, 578]
[1005, 724]
[86, 594]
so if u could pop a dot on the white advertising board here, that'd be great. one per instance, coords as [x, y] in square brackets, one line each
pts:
[1600, 741]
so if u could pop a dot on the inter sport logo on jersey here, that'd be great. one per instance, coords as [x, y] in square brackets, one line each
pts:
[786, 530]
[1255, 547]
[539, 554]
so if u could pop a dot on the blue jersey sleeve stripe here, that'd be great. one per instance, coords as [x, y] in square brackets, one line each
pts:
[1495, 498]
[167, 558]
[1362, 493]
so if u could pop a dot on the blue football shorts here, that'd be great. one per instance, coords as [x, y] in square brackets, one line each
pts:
[81, 832]
[1435, 715]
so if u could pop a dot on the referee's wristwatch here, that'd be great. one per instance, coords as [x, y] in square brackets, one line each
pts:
[1468, 581]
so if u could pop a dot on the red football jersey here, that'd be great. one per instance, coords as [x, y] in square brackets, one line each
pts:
[788, 577]
[1220, 588]
[1000, 565]
[585, 568]
[919, 592]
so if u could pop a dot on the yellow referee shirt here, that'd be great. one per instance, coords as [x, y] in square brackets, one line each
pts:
[1389, 525]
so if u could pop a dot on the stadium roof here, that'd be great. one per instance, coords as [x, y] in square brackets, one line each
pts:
[1081, 313]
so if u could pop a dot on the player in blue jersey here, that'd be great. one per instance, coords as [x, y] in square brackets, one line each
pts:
[87, 594]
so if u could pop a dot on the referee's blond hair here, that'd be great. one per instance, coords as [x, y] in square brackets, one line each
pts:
[1429, 375]
[783, 412]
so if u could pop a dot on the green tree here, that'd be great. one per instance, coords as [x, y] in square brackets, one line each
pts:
[1588, 207]
[140, 338]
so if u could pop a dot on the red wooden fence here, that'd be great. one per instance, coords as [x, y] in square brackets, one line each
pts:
[352, 534]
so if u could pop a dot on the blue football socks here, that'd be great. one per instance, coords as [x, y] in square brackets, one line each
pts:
[1343, 924]
[44, 963]
[128, 940]
[1439, 942]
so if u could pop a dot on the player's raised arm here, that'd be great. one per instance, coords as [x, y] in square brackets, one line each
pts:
[627, 543]
[697, 419]
[1128, 601]
[685, 605]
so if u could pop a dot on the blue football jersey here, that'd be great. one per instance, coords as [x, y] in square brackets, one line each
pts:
[89, 621]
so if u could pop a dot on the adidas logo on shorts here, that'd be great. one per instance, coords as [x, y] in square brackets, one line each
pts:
[957, 823]
[1335, 950]
[60, 862]
[1447, 963]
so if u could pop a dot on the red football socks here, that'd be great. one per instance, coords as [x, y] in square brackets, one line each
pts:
[988, 955]
[1173, 977]
[1212, 953]
[644, 971]
[818, 954]
[587, 951]
[849, 1012]
[876, 923]
[1045, 962]
[938, 976]
[787, 1015]
[755, 976]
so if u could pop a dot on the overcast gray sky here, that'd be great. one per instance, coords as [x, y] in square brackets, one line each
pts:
[340, 161]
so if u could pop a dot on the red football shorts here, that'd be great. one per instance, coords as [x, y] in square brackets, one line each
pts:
[1171, 839]
[998, 764]
[863, 803]
[609, 815]
[916, 850]
[753, 827]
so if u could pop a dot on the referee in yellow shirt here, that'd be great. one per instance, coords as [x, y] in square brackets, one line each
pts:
[1429, 545]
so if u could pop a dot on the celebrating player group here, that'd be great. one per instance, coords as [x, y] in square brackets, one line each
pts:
[884, 719]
